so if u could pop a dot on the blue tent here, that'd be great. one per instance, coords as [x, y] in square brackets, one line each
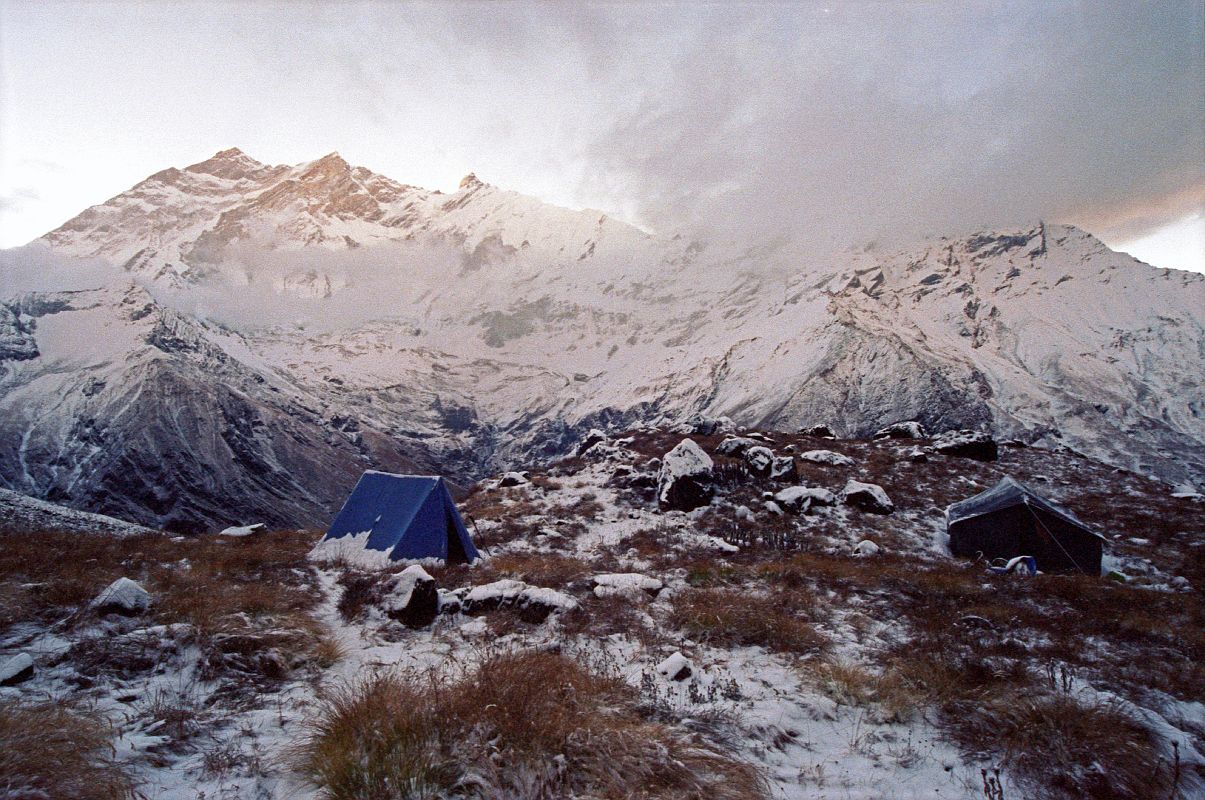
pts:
[407, 516]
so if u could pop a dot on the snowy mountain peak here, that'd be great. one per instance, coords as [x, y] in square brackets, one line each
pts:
[470, 181]
[230, 164]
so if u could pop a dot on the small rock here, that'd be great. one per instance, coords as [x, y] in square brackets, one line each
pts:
[773, 508]
[512, 479]
[413, 600]
[917, 455]
[902, 430]
[595, 436]
[677, 667]
[626, 584]
[867, 496]
[17, 669]
[122, 596]
[243, 530]
[827, 457]
[745, 513]
[866, 548]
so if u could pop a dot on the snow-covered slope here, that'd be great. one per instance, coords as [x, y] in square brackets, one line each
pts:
[274, 330]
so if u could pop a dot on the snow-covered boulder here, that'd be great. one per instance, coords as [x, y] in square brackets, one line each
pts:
[773, 508]
[759, 460]
[595, 436]
[512, 479]
[243, 530]
[917, 455]
[827, 457]
[626, 584]
[867, 496]
[685, 481]
[676, 668]
[734, 445]
[16, 669]
[819, 431]
[745, 513]
[967, 444]
[783, 468]
[705, 426]
[798, 499]
[533, 603]
[122, 596]
[902, 430]
[413, 599]
[866, 548]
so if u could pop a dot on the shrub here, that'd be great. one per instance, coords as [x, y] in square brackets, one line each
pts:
[56, 750]
[729, 617]
[532, 724]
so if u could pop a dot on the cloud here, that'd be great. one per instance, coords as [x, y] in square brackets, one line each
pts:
[872, 121]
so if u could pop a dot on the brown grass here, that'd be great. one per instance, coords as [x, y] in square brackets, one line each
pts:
[728, 617]
[237, 595]
[494, 731]
[53, 750]
[1065, 748]
[540, 569]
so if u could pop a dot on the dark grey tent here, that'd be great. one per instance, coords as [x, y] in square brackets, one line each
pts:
[1010, 519]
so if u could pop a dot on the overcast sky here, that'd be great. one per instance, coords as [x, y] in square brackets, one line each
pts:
[836, 123]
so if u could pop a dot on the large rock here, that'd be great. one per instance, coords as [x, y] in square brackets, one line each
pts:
[967, 444]
[685, 481]
[762, 462]
[510, 479]
[819, 431]
[122, 596]
[827, 457]
[532, 603]
[799, 499]
[413, 599]
[902, 430]
[867, 496]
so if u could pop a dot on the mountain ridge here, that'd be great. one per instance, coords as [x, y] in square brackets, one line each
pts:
[356, 321]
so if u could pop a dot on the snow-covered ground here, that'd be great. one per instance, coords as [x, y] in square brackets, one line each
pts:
[820, 721]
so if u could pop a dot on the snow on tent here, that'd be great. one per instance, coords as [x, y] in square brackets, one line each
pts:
[1010, 520]
[394, 517]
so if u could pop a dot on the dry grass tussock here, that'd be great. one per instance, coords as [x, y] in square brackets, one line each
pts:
[729, 617]
[52, 750]
[526, 724]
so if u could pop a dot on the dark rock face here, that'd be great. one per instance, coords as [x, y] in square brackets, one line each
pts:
[967, 444]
